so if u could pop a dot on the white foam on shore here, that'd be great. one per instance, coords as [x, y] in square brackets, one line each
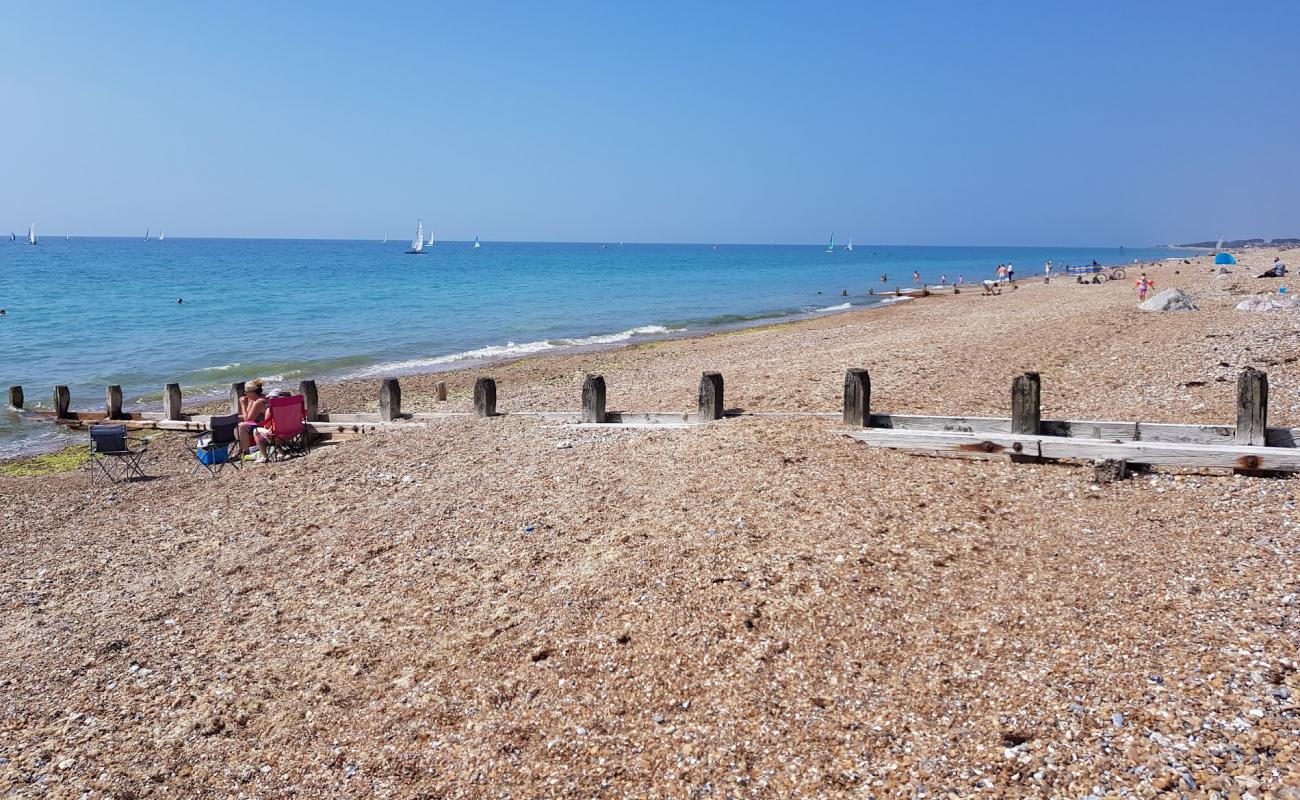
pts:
[898, 299]
[508, 350]
[840, 307]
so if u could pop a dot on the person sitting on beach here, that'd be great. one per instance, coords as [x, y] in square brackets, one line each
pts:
[1278, 270]
[252, 413]
[992, 287]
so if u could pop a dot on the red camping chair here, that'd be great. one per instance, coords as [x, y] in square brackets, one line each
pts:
[286, 432]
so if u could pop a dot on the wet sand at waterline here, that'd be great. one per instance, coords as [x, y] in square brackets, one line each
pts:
[755, 607]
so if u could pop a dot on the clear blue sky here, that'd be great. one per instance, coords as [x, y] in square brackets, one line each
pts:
[917, 123]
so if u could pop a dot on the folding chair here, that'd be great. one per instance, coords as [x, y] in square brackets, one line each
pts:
[111, 454]
[216, 447]
[286, 435]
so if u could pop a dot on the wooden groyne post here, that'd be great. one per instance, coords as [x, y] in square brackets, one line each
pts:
[62, 399]
[1252, 407]
[857, 398]
[172, 401]
[485, 397]
[390, 400]
[440, 391]
[16, 396]
[310, 399]
[236, 392]
[710, 396]
[593, 399]
[1026, 408]
[113, 402]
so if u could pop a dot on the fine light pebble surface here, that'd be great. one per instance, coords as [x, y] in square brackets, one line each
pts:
[751, 608]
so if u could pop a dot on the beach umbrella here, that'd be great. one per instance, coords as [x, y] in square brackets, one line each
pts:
[1225, 258]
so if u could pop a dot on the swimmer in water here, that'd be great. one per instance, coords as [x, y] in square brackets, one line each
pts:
[180, 300]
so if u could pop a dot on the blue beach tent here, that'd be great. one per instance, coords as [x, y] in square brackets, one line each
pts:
[1225, 258]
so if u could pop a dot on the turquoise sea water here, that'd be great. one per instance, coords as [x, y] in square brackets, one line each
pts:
[88, 312]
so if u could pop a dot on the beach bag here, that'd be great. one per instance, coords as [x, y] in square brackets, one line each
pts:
[212, 456]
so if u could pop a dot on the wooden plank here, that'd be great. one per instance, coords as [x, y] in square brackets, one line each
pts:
[857, 397]
[390, 400]
[1252, 407]
[485, 397]
[1185, 434]
[1026, 406]
[1154, 453]
[593, 399]
[711, 399]
[16, 396]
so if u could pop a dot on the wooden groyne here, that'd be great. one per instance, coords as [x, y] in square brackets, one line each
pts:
[1249, 444]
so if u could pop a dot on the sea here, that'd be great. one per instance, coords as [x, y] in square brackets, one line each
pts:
[88, 312]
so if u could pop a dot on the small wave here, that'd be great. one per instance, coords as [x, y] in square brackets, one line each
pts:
[840, 307]
[900, 299]
[511, 350]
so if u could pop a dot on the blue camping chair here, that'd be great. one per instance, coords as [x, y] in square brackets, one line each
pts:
[216, 447]
[112, 456]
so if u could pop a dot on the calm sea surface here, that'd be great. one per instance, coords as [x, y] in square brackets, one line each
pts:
[88, 312]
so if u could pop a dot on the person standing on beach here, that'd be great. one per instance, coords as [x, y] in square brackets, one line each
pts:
[1002, 272]
[961, 280]
[1011, 273]
[1047, 269]
[943, 280]
[1144, 283]
[916, 277]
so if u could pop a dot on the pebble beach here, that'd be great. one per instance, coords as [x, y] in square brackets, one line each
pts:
[757, 607]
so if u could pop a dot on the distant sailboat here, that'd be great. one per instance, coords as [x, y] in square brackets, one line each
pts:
[385, 241]
[146, 234]
[13, 237]
[1218, 245]
[67, 237]
[31, 234]
[417, 244]
[476, 244]
[830, 248]
[162, 235]
[430, 242]
[849, 247]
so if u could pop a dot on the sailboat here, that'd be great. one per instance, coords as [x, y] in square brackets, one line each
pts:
[849, 247]
[476, 244]
[385, 241]
[146, 234]
[430, 242]
[417, 244]
[1218, 245]
[13, 237]
[162, 235]
[830, 248]
[67, 237]
[31, 234]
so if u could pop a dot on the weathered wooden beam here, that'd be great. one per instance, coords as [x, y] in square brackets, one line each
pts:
[16, 396]
[440, 391]
[857, 397]
[310, 398]
[390, 400]
[485, 397]
[1252, 407]
[236, 394]
[593, 399]
[1026, 408]
[172, 401]
[113, 402]
[711, 400]
[983, 443]
[62, 399]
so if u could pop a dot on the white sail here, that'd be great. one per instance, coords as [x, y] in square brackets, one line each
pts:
[1218, 245]
[830, 248]
[417, 244]
[849, 246]
[430, 242]
[476, 244]
[146, 234]
[162, 235]
[31, 234]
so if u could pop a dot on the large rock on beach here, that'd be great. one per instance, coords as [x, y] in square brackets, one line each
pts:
[1170, 300]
